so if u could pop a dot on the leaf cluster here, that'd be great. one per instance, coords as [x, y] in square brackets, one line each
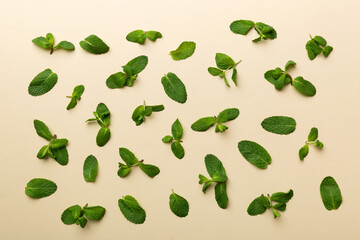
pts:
[143, 111]
[312, 140]
[80, 216]
[175, 139]
[75, 96]
[48, 42]
[244, 26]
[102, 117]
[224, 63]
[317, 45]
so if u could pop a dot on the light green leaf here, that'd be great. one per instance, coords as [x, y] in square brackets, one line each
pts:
[254, 154]
[330, 193]
[131, 210]
[103, 136]
[65, 45]
[318, 144]
[71, 214]
[137, 36]
[93, 44]
[42, 42]
[167, 139]
[178, 205]
[303, 152]
[203, 124]
[123, 170]
[206, 185]
[178, 150]
[43, 152]
[177, 130]
[61, 155]
[94, 213]
[221, 195]
[228, 115]
[241, 26]
[279, 124]
[185, 50]
[215, 168]
[304, 87]
[58, 143]
[50, 38]
[257, 206]
[282, 197]
[116, 80]
[320, 40]
[214, 71]
[42, 83]
[153, 35]
[128, 157]
[42, 130]
[276, 213]
[174, 87]
[313, 135]
[289, 64]
[220, 127]
[149, 169]
[82, 221]
[223, 61]
[40, 188]
[90, 168]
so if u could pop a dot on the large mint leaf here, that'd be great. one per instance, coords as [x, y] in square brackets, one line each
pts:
[42, 83]
[330, 193]
[131, 210]
[174, 87]
[185, 50]
[279, 124]
[254, 154]
[178, 205]
[93, 44]
[40, 187]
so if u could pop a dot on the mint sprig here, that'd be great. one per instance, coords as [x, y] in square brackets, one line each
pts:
[139, 36]
[224, 64]
[80, 216]
[75, 96]
[56, 148]
[317, 45]
[48, 42]
[143, 111]
[244, 26]
[175, 139]
[102, 117]
[312, 140]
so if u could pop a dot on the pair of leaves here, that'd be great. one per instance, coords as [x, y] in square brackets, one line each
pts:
[178, 205]
[205, 123]
[76, 96]
[317, 45]
[175, 139]
[102, 117]
[254, 154]
[48, 43]
[42, 83]
[80, 216]
[185, 50]
[131, 209]
[279, 125]
[139, 36]
[93, 44]
[260, 204]
[90, 168]
[56, 148]
[130, 74]
[174, 87]
[132, 161]
[313, 140]
[224, 63]
[218, 175]
[244, 26]
[279, 78]
[143, 111]
[330, 193]
[40, 187]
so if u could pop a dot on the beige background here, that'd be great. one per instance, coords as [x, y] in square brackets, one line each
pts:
[334, 110]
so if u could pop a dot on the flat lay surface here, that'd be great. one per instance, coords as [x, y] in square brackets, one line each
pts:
[334, 110]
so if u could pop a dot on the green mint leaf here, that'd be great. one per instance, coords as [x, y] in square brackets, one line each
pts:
[313, 49]
[258, 206]
[203, 179]
[42, 130]
[223, 61]
[157, 108]
[282, 197]
[279, 125]
[43, 152]
[167, 139]
[327, 50]
[221, 195]
[280, 206]
[203, 124]
[50, 38]
[178, 150]
[269, 76]
[116, 80]
[103, 136]
[137, 36]
[206, 185]
[90, 168]
[42, 42]
[76, 95]
[141, 111]
[257, 39]
[304, 87]
[214, 71]
[128, 157]
[72, 103]
[228, 115]
[153, 35]
[178, 205]
[174, 87]
[185, 50]
[61, 155]
[234, 76]
[254, 154]
[177, 130]
[94, 213]
[289, 64]
[319, 144]
[65, 45]
[320, 40]
[313, 135]
[81, 221]
[330, 193]
[131, 210]
[215, 168]
[71, 214]
[241, 26]
[58, 143]
[123, 171]
[137, 64]
[149, 169]
[266, 31]
[42, 83]
[276, 213]
[280, 82]
[303, 152]
[220, 127]
[102, 110]
[93, 44]
[40, 188]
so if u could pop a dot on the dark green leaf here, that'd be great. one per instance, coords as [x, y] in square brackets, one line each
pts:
[254, 154]
[40, 187]
[93, 44]
[241, 26]
[279, 124]
[137, 36]
[214, 71]
[215, 168]
[234, 76]
[221, 195]
[116, 80]
[167, 139]
[312, 49]
[282, 197]
[206, 185]
[42, 83]
[177, 130]
[327, 50]
[157, 108]
[153, 35]
[320, 40]
[330, 193]
[58, 143]
[178, 150]
[94, 213]
[223, 61]
[257, 206]
[137, 64]
[103, 136]
[318, 144]
[128, 157]
[289, 64]
[304, 87]
[42, 130]
[178, 205]
[71, 214]
[174, 87]
[266, 31]
[72, 103]
[61, 155]
[303, 152]
[203, 124]
[90, 168]
[313, 135]
[185, 50]
[280, 206]
[82, 221]
[269, 76]
[228, 115]
[131, 210]
[149, 169]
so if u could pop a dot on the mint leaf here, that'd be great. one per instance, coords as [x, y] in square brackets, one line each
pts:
[234, 76]
[282, 197]
[42, 83]
[312, 139]
[327, 50]
[276, 213]
[42, 130]
[241, 26]
[318, 144]
[178, 150]
[185, 50]
[313, 135]
[220, 127]
[128, 157]
[280, 206]
[94, 213]
[61, 155]
[149, 169]
[257, 206]
[167, 139]
[153, 35]
[48, 43]
[265, 31]
[203, 124]
[304, 87]
[40, 188]
[137, 36]
[58, 143]
[131, 210]
[223, 61]
[320, 40]
[123, 170]
[228, 115]
[317, 45]
[279, 125]
[103, 136]
[93, 44]
[116, 80]
[289, 64]
[215, 168]
[137, 64]
[90, 168]
[174, 87]
[254, 154]
[177, 130]
[76, 95]
[221, 195]
[42, 42]
[102, 116]
[65, 45]
[143, 111]
[214, 71]
[303, 152]
[71, 215]
[330, 193]
[43, 152]
[178, 205]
